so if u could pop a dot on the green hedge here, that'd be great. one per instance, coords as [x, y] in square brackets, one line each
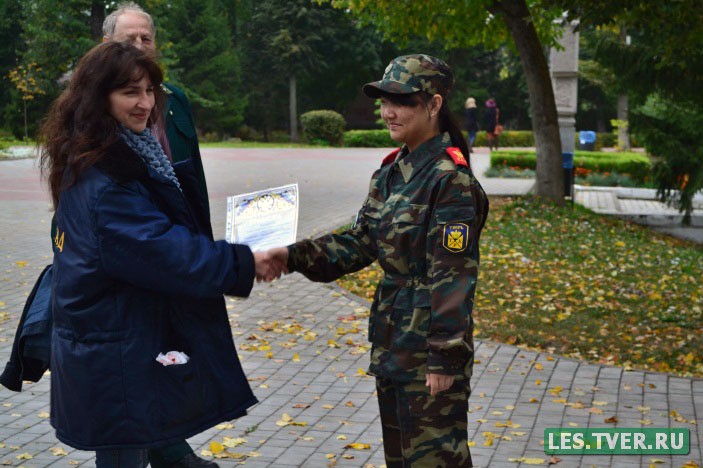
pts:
[382, 139]
[637, 165]
[508, 139]
[368, 139]
[324, 126]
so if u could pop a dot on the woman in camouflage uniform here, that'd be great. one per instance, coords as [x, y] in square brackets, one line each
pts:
[421, 220]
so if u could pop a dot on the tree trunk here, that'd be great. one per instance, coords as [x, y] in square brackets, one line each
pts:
[293, 109]
[623, 123]
[97, 16]
[623, 111]
[545, 124]
[26, 136]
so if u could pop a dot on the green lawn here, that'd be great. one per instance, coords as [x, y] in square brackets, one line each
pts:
[568, 281]
[6, 142]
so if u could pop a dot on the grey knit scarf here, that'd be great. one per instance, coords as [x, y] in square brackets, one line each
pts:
[148, 148]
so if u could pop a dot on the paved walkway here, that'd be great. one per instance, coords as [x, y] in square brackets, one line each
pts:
[304, 348]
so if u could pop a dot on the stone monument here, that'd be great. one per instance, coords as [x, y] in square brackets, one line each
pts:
[564, 66]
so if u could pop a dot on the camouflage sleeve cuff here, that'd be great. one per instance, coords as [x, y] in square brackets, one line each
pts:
[437, 363]
[291, 258]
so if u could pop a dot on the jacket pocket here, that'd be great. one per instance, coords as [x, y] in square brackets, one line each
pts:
[410, 319]
[181, 395]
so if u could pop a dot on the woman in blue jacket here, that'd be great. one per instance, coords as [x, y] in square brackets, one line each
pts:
[136, 273]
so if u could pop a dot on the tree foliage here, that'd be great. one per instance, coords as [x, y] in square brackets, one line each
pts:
[672, 129]
[662, 68]
[329, 55]
[457, 23]
[205, 64]
[11, 20]
[527, 25]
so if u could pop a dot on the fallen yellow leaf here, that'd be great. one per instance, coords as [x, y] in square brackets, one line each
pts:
[528, 461]
[357, 446]
[233, 442]
[216, 447]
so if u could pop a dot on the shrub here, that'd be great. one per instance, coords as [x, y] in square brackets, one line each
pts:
[369, 139]
[637, 165]
[210, 137]
[609, 179]
[323, 125]
[507, 139]
[247, 133]
[510, 173]
[382, 139]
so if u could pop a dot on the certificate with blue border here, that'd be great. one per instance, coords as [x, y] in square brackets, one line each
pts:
[264, 219]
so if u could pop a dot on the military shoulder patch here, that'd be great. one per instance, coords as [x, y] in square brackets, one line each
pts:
[457, 156]
[391, 157]
[455, 237]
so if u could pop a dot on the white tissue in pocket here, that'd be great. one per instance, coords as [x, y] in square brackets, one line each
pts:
[172, 357]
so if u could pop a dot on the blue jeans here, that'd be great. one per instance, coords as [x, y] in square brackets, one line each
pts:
[122, 458]
[472, 139]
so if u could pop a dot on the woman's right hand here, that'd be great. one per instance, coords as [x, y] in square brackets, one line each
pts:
[269, 267]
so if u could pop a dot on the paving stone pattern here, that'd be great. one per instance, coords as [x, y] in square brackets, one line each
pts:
[313, 370]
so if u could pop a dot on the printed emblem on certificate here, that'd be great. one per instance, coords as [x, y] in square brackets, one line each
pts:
[263, 219]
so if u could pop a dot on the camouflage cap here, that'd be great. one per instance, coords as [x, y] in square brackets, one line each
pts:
[412, 73]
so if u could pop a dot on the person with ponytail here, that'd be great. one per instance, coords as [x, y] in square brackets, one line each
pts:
[421, 220]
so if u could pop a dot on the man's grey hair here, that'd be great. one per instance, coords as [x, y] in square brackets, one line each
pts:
[111, 20]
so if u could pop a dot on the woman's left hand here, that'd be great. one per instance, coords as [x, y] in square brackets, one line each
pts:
[438, 382]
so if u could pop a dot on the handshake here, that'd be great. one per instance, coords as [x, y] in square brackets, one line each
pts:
[270, 264]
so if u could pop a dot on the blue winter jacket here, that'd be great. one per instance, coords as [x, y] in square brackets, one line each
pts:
[136, 272]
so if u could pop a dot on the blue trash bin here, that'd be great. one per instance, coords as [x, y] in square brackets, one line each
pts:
[567, 159]
[587, 140]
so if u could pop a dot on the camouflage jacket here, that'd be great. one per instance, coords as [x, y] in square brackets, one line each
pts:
[421, 220]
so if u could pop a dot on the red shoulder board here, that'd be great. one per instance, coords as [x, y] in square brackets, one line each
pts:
[391, 157]
[457, 156]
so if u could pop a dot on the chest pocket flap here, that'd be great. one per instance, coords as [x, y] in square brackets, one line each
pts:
[410, 214]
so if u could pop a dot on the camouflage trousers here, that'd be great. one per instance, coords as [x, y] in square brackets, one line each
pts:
[422, 431]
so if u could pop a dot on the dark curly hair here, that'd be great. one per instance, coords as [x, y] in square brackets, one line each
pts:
[79, 127]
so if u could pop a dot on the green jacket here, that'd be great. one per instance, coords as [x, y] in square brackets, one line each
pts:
[422, 220]
[181, 134]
